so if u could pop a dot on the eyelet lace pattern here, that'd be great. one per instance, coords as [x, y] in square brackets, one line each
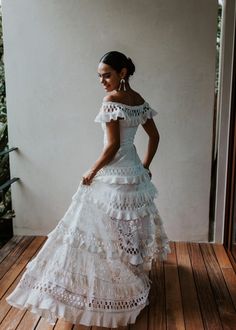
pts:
[133, 115]
[122, 175]
[127, 203]
[75, 306]
[93, 268]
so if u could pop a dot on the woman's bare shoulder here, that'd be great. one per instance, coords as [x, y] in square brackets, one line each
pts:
[109, 98]
[139, 98]
[129, 99]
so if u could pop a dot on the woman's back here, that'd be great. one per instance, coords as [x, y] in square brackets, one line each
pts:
[130, 98]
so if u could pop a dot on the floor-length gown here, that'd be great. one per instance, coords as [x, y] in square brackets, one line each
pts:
[93, 267]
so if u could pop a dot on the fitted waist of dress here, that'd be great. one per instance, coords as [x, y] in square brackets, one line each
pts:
[125, 145]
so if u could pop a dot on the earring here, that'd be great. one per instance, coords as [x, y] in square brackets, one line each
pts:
[122, 85]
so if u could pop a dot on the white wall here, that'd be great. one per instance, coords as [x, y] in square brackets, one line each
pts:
[52, 50]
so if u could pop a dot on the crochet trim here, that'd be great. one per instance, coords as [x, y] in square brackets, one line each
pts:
[50, 311]
[133, 114]
[123, 204]
[125, 247]
[122, 175]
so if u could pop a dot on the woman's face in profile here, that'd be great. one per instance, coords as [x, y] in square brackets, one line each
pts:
[109, 78]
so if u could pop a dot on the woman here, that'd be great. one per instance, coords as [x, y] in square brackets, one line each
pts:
[93, 268]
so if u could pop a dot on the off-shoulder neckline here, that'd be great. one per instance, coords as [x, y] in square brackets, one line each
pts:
[125, 105]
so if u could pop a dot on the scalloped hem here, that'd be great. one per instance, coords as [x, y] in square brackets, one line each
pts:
[111, 179]
[112, 110]
[147, 207]
[125, 215]
[52, 310]
[151, 253]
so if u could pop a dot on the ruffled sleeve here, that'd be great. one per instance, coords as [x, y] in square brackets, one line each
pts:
[110, 111]
[133, 114]
[147, 113]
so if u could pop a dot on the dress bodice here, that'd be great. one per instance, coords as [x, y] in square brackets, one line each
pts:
[127, 134]
[131, 117]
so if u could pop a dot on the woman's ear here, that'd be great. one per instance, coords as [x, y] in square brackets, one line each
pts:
[123, 73]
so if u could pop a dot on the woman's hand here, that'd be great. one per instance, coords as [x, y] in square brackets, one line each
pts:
[149, 172]
[108, 153]
[88, 177]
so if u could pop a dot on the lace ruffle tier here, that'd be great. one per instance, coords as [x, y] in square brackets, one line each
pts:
[136, 242]
[93, 268]
[101, 285]
[51, 301]
[126, 203]
[133, 115]
[122, 175]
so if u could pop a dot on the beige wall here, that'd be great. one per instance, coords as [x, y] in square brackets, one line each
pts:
[51, 53]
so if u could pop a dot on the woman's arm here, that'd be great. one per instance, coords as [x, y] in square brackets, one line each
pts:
[108, 153]
[154, 138]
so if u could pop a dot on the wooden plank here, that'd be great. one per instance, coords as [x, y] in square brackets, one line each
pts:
[12, 319]
[62, 325]
[223, 300]
[9, 246]
[210, 315]
[230, 279]
[212, 276]
[191, 308]
[222, 256]
[4, 306]
[29, 321]
[157, 307]
[103, 328]
[82, 327]
[19, 265]
[227, 270]
[7, 312]
[14, 255]
[141, 321]
[43, 325]
[174, 309]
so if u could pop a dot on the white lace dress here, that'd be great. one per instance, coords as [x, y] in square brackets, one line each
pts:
[93, 268]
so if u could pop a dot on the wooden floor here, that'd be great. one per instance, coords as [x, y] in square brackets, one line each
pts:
[194, 289]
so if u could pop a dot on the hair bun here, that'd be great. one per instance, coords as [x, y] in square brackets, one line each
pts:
[118, 61]
[131, 66]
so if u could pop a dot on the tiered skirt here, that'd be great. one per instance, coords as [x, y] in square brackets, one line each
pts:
[94, 267]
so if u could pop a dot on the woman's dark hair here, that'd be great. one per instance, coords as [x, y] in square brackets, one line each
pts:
[118, 61]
